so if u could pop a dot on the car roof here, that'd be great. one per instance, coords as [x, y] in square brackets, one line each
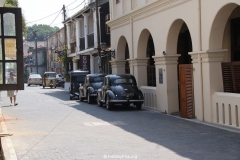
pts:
[120, 76]
[96, 74]
[49, 72]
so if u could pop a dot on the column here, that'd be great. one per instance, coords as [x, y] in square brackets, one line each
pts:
[95, 28]
[140, 70]
[212, 79]
[86, 28]
[68, 37]
[78, 34]
[167, 91]
[198, 85]
[118, 66]
[75, 65]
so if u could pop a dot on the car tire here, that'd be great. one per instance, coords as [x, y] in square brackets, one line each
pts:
[108, 104]
[139, 106]
[43, 86]
[100, 104]
[29, 84]
[89, 100]
[70, 98]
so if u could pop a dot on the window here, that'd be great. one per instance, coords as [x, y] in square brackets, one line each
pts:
[11, 48]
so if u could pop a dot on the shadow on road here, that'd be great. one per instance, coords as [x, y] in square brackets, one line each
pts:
[186, 138]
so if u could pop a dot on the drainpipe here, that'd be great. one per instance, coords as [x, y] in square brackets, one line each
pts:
[131, 25]
[199, 57]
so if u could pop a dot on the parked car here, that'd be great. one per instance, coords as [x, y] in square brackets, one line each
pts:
[120, 89]
[59, 77]
[35, 79]
[89, 89]
[77, 78]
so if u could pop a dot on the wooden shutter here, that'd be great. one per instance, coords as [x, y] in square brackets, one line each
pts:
[231, 77]
[186, 91]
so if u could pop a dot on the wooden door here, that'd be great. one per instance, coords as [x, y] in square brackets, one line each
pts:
[186, 91]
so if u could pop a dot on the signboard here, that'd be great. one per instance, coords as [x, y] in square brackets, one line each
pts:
[85, 62]
[160, 71]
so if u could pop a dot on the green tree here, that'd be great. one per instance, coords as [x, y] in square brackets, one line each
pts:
[14, 4]
[42, 30]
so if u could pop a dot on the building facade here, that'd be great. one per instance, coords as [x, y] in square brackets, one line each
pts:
[182, 53]
[55, 51]
[82, 40]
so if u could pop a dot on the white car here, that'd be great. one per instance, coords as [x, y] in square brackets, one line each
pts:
[35, 79]
[59, 76]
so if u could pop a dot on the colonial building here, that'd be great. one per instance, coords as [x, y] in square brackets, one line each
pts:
[82, 37]
[55, 51]
[184, 54]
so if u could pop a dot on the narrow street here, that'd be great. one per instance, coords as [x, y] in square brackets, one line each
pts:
[47, 125]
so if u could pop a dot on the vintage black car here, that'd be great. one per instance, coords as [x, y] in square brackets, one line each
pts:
[90, 87]
[77, 78]
[120, 89]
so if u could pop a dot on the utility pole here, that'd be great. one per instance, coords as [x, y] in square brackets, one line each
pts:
[98, 38]
[65, 38]
[36, 61]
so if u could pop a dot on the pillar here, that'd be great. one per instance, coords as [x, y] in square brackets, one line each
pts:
[68, 37]
[118, 66]
[140, 70]
[78, 34]
[167, 91]
[86, 28]
[75, 65]
[212, 79]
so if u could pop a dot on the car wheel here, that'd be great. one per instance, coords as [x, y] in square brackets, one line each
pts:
[51, 87]
[70, 97]
[139, 106]
[28, 84]
[43, 86]
[100, 104]
[108, 104]
[89, 99]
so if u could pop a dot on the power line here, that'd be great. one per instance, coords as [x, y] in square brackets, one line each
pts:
[43, 18]
[77, 6]
[56, 17]
[50, 14]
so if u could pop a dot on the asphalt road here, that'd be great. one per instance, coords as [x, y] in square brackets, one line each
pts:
[47, 125]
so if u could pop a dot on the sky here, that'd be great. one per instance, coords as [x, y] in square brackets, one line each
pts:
[37, 9]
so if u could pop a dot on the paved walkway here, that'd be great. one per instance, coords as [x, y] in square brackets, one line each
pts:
[47, 125]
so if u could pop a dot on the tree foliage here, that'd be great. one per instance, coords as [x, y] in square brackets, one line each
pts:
[14, 4]
[42, 30]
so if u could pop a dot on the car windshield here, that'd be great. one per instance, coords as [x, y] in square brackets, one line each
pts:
[96, 79]
[35, 76]
[123, 81]
[78, 79]
[50, 75]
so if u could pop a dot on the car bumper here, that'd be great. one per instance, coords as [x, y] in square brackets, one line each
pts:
[126, 101]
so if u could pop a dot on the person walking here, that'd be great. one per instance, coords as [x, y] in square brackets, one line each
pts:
[12, 93]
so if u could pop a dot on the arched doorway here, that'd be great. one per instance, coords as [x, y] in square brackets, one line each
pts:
[127, 68]
[185, 74]
[151, 73]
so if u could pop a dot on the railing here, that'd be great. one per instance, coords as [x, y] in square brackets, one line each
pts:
[82, 43]
[90, 40]
[73, 47]
[151, 75]
[226, 108]
[150, 96]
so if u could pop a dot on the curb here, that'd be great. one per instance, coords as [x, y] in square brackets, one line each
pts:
[8, 152]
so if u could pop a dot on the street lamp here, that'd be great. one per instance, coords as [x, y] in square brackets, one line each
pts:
[103, 47]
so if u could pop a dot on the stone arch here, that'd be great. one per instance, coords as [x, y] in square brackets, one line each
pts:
[218, 26]
[172, 39]
[142, 43]
[122, 42]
